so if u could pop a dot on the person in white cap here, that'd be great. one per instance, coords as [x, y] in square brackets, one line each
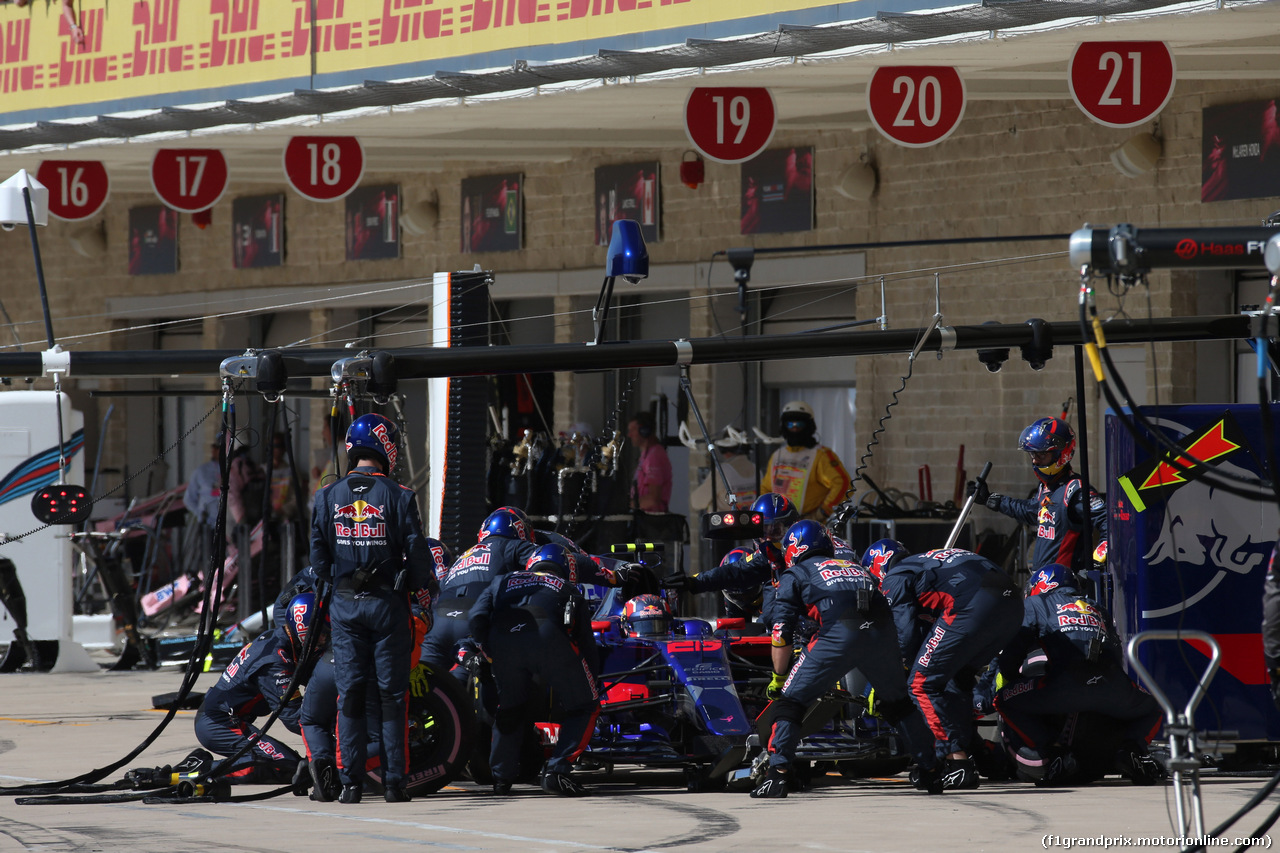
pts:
[808, 473]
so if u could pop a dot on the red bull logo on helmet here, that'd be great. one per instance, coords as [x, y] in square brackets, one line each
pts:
[388, 446]
[1044, 583]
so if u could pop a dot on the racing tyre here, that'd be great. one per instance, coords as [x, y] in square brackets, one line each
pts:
[441, 731]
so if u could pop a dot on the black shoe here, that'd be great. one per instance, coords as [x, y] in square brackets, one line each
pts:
[775, 784]
[396, 794]
[960, 774]
[927, 780]
[301, 779]
[325, 776]
[501, 789]
[198, 761]
[350, 794]
[1139, 767]
[561, 785]
[1058, 770]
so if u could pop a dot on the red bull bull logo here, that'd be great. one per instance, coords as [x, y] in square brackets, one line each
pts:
[359, 511]
[1078, 614]
[360, 515]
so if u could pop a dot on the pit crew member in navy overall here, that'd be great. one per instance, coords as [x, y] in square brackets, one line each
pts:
[1057, 510]
[1085, 672]
[531, 623]
[366, 539]
[975, 609]
[503, 545]
[255, 684]
[760, 568]
[855, 629]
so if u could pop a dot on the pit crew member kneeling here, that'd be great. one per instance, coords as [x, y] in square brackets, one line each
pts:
[975, 610]
[855, 629]
[1084, 673]
[535, 623]
[256, 683]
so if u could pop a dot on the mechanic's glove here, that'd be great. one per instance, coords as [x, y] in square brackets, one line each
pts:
[774, 691]
[677, 581]
[978, 490]
[993, 501]
[999, 681]
[873, 708]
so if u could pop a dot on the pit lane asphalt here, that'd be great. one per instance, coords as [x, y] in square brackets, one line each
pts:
[57, 726]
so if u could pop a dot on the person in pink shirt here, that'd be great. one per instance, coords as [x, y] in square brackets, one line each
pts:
[651, 488]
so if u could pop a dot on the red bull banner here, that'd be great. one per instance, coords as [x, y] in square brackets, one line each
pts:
[1186, 555]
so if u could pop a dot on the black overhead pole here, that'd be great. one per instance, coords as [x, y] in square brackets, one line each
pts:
[430, 362]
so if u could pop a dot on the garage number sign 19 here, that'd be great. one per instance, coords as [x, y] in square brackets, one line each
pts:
[730, 124]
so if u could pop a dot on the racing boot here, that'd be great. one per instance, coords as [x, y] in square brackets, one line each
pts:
[350, 794]
[775, 784]
[1059, 769]
[927, 779]
[1139, 767]
[198, 761]
[301, 779]
[960, 774]
[325, 776]
[396, 794]
[501, 789]
[561, 785]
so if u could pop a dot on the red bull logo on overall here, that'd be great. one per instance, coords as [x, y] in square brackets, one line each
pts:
[1079, 614]
[360, 514]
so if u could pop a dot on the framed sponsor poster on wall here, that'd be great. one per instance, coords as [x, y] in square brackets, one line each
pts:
[777, 191]
[492, 213]
[1240, 151]
[153, 240]
[373, 223]
[257, 231]
[628, 191]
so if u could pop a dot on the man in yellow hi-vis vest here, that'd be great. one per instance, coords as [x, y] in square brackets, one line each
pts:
[808, 473]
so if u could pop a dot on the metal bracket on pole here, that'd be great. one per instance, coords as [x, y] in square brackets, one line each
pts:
[730, 497]
[1184, 762]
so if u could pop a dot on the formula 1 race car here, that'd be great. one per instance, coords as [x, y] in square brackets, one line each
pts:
[690, 693]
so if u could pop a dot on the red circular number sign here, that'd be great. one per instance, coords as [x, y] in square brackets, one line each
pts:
[189, 179]
[77, 188]
[916, 105]
[1121, 83]
[730, 124]
[323, 168]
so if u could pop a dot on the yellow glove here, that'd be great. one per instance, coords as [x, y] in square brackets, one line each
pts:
[999, 681]
[774, 690]
[872, 709]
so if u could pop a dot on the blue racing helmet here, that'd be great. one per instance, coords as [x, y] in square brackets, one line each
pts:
[1049, 577]
[441, 557]
[507, 522]
[552, 559]
[882, 555]
[777, 513]
[373, 437]
[304, 613]
[1049, 434]
[806, 539]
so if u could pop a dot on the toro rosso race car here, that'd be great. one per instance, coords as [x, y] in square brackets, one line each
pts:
[690, 693]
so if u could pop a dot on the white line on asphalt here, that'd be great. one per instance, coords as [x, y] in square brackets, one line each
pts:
[431, 826]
